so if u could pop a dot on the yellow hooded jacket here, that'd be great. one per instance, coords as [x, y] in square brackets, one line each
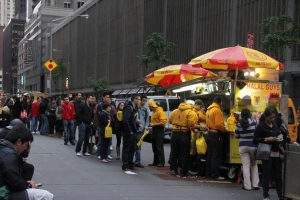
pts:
[183, 118]
[231, 122]
[214, 119]
[159, 117]
[201, 116]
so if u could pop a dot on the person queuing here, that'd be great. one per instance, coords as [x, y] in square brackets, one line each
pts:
[44, 125]
[59, 121]
[68, 114]
[143, 119]
[51, 116]
[85, 117]
[118, 127]
[244, 132]
[130, 128]
[267, 132]
[104, 120]
[11, 163]
[183, 120]
[77, 104]
[105, 99]
[158, 122]
[35, 114]
[216, 126]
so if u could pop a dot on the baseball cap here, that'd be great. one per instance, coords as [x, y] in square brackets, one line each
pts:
[199, 102]
[13, 123]
[152, 104]
[217, 99]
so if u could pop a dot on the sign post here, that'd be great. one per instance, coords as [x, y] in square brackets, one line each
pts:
[50, 65]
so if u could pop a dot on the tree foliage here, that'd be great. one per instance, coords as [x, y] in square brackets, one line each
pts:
[157, 49]
[279, 32]
[60, 72]
[97, 84]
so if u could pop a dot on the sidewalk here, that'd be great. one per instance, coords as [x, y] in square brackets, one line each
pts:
[70, 177]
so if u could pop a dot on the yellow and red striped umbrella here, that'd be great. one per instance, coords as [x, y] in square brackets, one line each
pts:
[175, 74]
[236, 58]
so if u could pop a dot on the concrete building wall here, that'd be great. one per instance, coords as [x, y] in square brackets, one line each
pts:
[13, 33]
[108, 43]
[1, 46]
[7, 11]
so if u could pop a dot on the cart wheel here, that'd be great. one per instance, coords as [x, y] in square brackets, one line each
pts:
[231, 173]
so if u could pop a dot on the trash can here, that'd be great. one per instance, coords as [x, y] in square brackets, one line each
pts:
[291, 184]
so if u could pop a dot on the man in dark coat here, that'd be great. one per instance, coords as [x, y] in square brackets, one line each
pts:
[11, 164]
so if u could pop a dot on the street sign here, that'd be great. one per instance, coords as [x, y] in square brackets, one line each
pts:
[50, 64]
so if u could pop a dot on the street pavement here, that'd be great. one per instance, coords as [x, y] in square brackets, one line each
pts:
[70, 177]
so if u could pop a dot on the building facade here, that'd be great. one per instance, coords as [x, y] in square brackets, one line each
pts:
[34, 48]
[108, 43]
[12, 35]
[7, 11]
[1, 46]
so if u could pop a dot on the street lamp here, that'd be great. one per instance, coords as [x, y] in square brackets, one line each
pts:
[68, 64]
[86, 16]
[13, 88]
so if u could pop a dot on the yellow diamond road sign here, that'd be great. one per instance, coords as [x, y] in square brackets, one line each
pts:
[50, 64]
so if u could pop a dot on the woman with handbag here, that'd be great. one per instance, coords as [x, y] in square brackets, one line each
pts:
[266, 133]
[105, 124]
[118, 126]
[244, 131]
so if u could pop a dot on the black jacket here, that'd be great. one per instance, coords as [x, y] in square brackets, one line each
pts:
[11, 168]
[85, 113]
[263, 131]
[130, 118]
[77, 105]
[44, 106]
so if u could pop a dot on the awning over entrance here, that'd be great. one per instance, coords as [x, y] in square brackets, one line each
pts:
[139, 90]
[116, 92]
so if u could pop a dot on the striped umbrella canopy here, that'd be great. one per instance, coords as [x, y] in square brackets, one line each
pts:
[236, 58]
[176, 74]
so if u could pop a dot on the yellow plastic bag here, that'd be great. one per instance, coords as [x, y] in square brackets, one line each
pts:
[194, 136]
[108, 131]
[201, 145]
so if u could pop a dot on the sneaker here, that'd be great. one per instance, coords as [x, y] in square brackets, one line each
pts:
[174, 172]
[72, 142]
[111, 148]
[65, 143]
[33, 133]
[133, 168]
[104, 161]
[219, 178]
[267, 198]
[126, 169]
[110, 157]
[99, 157]
[86, 154]
[78, 154]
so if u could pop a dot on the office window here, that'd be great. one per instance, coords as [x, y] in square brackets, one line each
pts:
[67, 4]
[80, 3]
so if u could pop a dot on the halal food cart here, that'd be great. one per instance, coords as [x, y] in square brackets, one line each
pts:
[252, 93]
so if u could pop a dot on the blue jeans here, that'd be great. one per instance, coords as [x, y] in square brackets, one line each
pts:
[138, 149]
[34, 123]
[68, 130]
[84, 136]
[45, 125]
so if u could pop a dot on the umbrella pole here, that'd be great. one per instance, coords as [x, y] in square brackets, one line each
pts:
[234, 87]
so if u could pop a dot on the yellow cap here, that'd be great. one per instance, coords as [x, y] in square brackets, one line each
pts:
[152, 104]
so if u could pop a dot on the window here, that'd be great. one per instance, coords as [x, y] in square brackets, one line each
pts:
[67, 5]
[162, 103]
[80, 3]
[173, 104]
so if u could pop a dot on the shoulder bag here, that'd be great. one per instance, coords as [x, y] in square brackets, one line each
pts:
[263, 151]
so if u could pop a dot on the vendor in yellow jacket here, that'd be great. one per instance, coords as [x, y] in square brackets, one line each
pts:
[183, 121]
[158, 122]
[216, 126]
